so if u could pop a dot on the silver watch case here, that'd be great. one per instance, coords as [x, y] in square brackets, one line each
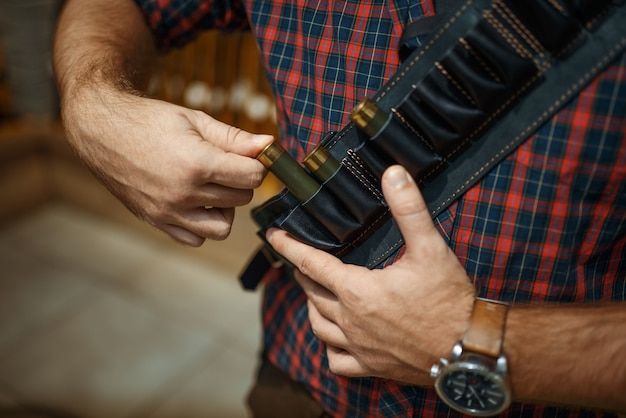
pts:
[472, 383]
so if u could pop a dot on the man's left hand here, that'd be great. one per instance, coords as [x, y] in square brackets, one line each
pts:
[393, 322]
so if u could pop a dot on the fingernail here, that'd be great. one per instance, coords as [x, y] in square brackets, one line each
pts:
[269, 234]
[262, 140]
[397, 177]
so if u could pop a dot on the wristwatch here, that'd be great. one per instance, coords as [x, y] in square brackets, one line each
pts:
[474, 380]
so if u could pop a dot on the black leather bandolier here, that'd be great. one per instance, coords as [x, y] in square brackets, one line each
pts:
[484, 81]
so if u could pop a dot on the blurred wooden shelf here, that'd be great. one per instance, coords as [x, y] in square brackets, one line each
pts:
[24, 181]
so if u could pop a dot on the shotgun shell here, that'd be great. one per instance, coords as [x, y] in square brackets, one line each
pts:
[369, 118]
[288, 171]
[321, 163]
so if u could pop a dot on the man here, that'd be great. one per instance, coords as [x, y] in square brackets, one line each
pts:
[545, 230]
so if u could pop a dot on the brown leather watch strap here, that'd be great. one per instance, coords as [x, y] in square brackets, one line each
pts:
[486, 330]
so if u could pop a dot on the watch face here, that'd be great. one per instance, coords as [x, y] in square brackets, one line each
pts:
[473, 390]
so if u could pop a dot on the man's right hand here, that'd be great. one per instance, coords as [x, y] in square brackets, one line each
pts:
[178, 169]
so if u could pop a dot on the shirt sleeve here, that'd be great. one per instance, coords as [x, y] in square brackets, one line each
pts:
[175, 23]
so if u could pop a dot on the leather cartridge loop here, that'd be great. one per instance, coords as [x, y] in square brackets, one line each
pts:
[480, 86]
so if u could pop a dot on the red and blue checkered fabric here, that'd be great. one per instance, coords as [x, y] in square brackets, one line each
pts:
[548, 224]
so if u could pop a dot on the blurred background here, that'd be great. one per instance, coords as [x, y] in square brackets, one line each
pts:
[101, 315]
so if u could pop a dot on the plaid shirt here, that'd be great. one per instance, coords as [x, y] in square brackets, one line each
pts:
[548, 224]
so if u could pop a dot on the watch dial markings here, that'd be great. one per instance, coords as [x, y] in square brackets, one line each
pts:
[473, 390]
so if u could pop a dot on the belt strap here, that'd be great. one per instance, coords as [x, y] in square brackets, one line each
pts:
[425, 26]
[589, 36]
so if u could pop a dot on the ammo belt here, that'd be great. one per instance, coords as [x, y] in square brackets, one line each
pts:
[486, 79]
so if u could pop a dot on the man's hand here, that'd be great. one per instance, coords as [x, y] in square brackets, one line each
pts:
[395, 322]
[180, 170]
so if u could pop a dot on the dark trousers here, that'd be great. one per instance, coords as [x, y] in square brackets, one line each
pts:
[275, 395]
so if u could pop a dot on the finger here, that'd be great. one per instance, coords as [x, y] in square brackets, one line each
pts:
[407, 205]
[343, 363]
[212, 223]
[325, 329]
[218, 166]
[320, 299]
[230, 158]
[232, 139]
[182, 235]
[323, 299]
[319, 266]
[217, 195]
[193, 226]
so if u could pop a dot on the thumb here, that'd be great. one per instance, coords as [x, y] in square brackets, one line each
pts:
[230, 138]
[407, 205]
[247, 144]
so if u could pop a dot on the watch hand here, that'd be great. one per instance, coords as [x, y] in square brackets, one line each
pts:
[471, 388]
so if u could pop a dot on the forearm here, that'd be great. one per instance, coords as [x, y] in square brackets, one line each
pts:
[100, 52]
[568, 355]
[101, 42]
